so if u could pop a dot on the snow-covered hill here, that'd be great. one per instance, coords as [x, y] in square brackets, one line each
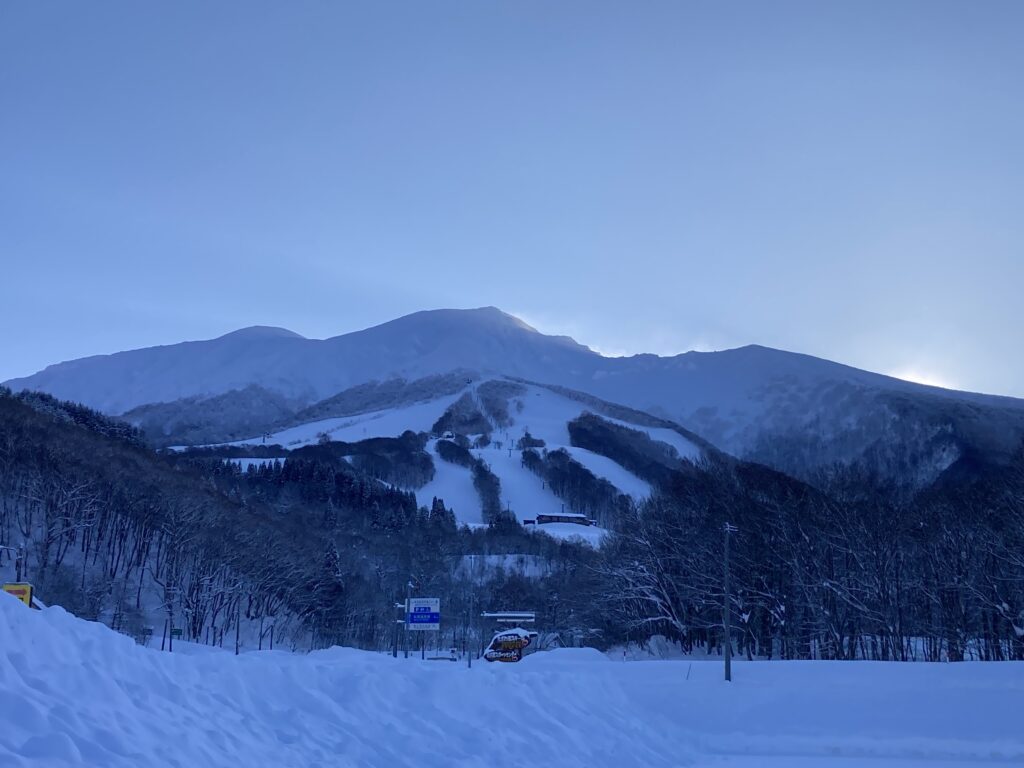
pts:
[793, 411]
[75, 693]
[539, 412]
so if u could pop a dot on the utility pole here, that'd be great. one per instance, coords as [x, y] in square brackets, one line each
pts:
[728, 528]
[170, 620]
[394, 648]
[19, 559]
[408, 594]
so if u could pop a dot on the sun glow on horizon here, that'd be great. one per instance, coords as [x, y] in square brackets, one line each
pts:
[917, 376]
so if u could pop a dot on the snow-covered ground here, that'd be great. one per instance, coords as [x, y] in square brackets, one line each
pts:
[74, 693]
[419, 417]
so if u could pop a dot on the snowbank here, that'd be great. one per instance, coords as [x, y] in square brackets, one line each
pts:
[76, 693]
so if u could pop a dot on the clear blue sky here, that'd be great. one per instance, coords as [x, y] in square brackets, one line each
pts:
[843, 179]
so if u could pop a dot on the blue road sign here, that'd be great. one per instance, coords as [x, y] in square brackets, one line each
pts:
[424, 618]
[423, 613]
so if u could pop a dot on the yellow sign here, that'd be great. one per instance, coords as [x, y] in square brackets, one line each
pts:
[507, 646]
[21, 591]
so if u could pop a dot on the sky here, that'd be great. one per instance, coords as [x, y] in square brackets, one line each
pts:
[844, 179]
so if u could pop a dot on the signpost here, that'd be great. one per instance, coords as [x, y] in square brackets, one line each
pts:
[423, 614]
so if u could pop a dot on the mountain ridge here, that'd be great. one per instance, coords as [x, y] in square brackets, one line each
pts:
[494, 319]
[793, 411]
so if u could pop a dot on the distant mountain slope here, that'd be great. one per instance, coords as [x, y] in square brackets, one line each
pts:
[796, 412]
[254, 411]
[496, 420]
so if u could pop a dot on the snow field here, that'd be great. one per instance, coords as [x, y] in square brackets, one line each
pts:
[75, 693]
[392, 422]
[544, 413]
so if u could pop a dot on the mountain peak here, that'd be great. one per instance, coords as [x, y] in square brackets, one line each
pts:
[495, 315]
[483, 317]
[261, 332]
[481, 321]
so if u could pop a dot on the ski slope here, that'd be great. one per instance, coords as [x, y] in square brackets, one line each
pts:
[520, 489]
[419, 417]
[75, 693]
[620, 477]
[543, 413]
[454, 485]
[525, 493]
[546, 414]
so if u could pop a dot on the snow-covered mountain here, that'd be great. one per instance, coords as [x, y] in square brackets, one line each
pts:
[791, 410]
[306, 370]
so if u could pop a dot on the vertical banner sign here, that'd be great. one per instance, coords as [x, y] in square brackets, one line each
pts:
[423, 613]
[21, 591]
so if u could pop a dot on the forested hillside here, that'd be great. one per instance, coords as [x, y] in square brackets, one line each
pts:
[314, 547]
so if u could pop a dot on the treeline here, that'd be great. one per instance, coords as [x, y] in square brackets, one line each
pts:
[939, 577]
[75, 413]
[368, 546]
[101, 526]
[463, 417]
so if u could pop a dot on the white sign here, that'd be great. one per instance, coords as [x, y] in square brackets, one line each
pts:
[423, 613]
